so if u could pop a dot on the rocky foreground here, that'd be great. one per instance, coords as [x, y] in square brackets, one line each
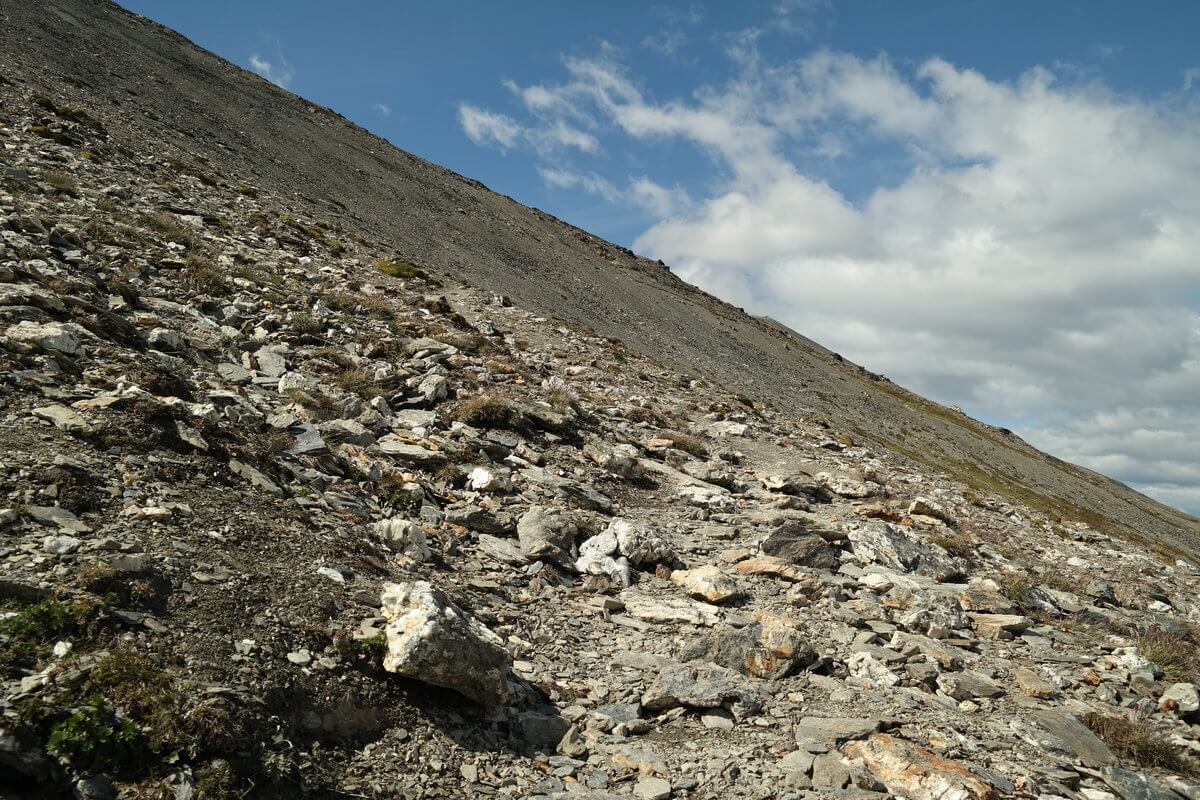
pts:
[284, 515]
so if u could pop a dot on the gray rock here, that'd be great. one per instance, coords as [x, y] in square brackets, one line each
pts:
[643, 546]
[967, 685]
[55, 517]
[547, 533]
[409, 454]
[53, 337]
[762, 651]
[797, 546]
[255, 477]
[699, 686]
[1182, 697]
[651, 788]
[506, 551]
[432, 640]
[828, 732]
[234, 373]
[405, 537]
[892, 546]
[475, 518]
[1058, 730]
[63, 418]
[166, 340]
[830, 772]
[1135, 786]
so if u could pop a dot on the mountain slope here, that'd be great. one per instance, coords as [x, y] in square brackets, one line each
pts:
[283, 515]
[150, 84]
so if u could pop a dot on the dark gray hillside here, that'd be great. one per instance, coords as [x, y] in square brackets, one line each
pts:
[149, 84]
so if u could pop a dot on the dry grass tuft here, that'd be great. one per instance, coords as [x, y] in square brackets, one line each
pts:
[488, 411]
[685, 442]
[1177, 656]
[1137, 741]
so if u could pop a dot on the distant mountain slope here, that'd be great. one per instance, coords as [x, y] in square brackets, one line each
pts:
[150, 84]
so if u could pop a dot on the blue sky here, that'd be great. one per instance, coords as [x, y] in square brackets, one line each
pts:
[993, 204]
[422, 59]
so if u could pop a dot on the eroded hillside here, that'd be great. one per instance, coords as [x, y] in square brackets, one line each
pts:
[284, 515]
[149, 85]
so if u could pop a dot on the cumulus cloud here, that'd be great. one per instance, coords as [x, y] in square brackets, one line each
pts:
[384, 108]
[488, 128]
[661, 201]
[274, 66]
[485, 127]
[1035, 259]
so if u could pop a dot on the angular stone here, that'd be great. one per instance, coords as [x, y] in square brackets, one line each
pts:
[490, 479]
[405, 537]
[671, 609]
[889, 545]
[412, 455]
[640, 544]
[63, 418]
[547, 533]
[506, 551]
[698, 686]
[1180, 697]
[706, 583]
[51, 337]
[801, 548]
[1067, 734]
[1033, 685]
[767, 649]
[927, 508]
[775, 567]
[255, 477]
[475, 518]
[432, 640]
[1131, 785]
[915, 773]
[651, 788]
[829, 732]
[967, 685]
[60, 518]
[999, 626]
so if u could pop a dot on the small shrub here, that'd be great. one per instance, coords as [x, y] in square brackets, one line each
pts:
[1176, 655]
[1137, 741]
[201, 276]
[488, 411]
[95, 737]
[170, 228]
[215, 781]
[28, 633]
[393, 492]
[62, 183]
[955, 544]
[685, 442]
[359, 381]
[317, 402]
[398, 268]
[306, 324]
[1018, 589]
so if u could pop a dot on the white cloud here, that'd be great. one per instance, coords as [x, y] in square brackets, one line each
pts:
[486, 127]
[1034, 260]
[589, 182]
[668, 42]
[661, 201]
[384, 108]
[642, 192]
[275, 68]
